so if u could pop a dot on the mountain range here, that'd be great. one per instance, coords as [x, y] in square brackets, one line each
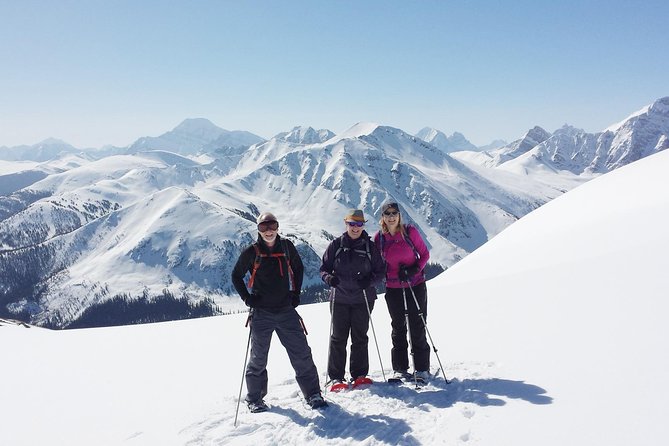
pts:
[164, 219]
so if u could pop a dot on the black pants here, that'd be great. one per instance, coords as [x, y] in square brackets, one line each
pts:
[287, 325]
[421, 348]
[347, 319]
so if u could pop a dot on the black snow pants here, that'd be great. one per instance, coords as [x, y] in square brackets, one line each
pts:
[347, 319]
[421, 348]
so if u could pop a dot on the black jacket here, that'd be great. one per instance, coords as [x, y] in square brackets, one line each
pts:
[272, 280]
[350, 266]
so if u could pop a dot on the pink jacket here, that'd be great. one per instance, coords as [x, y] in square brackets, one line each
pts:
[396, 252]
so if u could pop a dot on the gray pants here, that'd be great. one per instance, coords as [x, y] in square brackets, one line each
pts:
[287, 325]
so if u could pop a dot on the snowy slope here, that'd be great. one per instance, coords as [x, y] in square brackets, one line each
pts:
[554, 333]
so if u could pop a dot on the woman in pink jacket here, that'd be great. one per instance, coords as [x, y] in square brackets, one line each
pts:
[406, 255]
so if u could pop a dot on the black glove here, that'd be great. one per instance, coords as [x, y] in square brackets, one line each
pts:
[333, 281]
[294, 298]
[252, 301]
[364, 282]
[407, 272]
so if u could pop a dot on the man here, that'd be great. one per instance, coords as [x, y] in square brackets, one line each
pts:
[276, 274]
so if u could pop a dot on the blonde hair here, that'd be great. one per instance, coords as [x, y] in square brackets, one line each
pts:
[384, 226]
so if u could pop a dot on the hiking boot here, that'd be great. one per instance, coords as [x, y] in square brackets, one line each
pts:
[338, 385]
[422, 376]
[400, 375]
[257, 406]
[316, 401]
[361, 381]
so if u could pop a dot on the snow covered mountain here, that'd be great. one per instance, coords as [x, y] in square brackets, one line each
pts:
[43, 151]
[159, 225]
[448, 144]
[157, 222]
[508, 152]
[549, 333]
[305, 135]
[193, 136]
[572, 150]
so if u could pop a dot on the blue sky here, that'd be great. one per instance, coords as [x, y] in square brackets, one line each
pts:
[108, 72]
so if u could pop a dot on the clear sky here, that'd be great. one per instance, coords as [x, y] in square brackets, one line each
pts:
[96, 72]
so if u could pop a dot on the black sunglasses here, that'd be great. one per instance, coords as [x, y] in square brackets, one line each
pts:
[357, 224]
[391, 212]
[268, 225]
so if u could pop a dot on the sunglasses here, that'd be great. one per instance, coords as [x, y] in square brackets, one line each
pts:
[388, 213]
[268, 226]
[357, 224]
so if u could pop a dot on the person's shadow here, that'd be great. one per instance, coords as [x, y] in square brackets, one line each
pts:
[340, 423]
[483, 392]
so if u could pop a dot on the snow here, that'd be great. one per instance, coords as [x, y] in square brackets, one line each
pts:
[7, 167]
[613, 128]
[553, 333]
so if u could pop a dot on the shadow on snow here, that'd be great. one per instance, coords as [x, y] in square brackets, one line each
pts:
[482, 392]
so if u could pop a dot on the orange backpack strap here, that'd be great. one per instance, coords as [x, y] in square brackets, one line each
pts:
[277, 256]
[256, 265]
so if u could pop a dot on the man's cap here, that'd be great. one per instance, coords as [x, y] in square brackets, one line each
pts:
[266, 217]
[355, 215]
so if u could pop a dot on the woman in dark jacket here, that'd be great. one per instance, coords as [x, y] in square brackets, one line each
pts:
[351, 266]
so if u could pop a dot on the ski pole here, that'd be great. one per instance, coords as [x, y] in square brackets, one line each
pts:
[304, 327]
[332, 301]
[406, 321]
[369, 313]
[246, 356]
[420, 313]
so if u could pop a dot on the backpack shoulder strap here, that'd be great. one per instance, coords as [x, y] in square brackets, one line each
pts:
[381, 244]
[256, 265]
[407, 239]
[291, 276]
[369, 253]
[340, 248]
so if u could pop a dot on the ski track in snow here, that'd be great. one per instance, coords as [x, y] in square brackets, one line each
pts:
[379, 414]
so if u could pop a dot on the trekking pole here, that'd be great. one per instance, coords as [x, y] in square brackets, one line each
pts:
[369, 313]
[420, 313]
[246, 356]
[325, 385]
[406, 321]
[304, 327]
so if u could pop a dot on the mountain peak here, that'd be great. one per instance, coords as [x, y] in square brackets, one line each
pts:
[360, 129]
[195, 125]
[305, 135]
[447, 144]
[52, 142]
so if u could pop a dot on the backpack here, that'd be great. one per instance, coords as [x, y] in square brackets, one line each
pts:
[359, 251]
[405, 236]
[277, 256]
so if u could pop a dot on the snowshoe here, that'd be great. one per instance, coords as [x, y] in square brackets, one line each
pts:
[422, 377]
[257, 406]
[361, 382]
[399, 376]
[338, 385]
[316, 401]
